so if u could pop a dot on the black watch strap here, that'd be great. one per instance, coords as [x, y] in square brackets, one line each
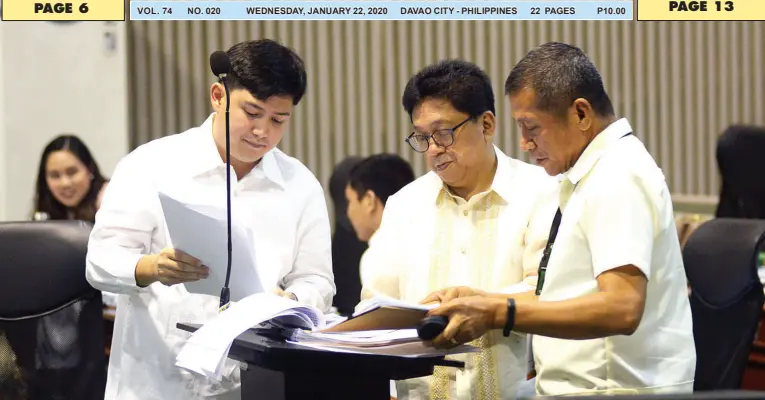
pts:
[510, 322]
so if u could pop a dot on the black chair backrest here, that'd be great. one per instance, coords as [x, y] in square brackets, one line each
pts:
[740, 159]
[346, 247]
[43, 266]
[51, 319]
[727, 297]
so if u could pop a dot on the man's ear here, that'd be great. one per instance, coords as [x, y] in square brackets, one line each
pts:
[489, 123]
[369, 199]
[584, 114]
[218, 97]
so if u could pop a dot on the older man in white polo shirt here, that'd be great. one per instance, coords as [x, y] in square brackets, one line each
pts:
[610, 314]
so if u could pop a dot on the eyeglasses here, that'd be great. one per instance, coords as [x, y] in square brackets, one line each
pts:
[442, 137]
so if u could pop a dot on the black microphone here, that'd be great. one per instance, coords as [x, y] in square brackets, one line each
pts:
[432, 326]
[220, 64]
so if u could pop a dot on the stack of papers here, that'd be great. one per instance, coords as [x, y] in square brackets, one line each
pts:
[207, 349]
[376, 338]
[399, 343]
[383, 313]
[380, 301]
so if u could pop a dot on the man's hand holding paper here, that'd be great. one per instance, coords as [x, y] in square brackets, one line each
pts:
[170, 267]
[200, 229]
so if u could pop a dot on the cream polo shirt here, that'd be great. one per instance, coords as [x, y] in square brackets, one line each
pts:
[620, 213]
[397, 262]
[430, 239]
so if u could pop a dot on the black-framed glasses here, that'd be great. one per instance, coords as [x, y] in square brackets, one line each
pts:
[442, 137]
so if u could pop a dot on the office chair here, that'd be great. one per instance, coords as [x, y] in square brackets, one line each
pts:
[726, 298]
[51, 319]
[741, 163]
[346, 247]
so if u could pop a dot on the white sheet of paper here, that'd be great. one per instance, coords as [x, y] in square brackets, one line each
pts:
[201, 232]
[384, 301]
[206, 350]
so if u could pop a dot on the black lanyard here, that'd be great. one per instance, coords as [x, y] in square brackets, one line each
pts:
[549, 247]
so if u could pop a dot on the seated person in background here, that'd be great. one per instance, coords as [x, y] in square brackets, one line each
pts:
[468, 220]
[69, 187]
[740, 160]
[371, 183]
[347, 249]
[279, 200]
[69, 183]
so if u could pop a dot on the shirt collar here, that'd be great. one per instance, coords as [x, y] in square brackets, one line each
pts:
[204, 145]
[501, 184]
[372, 238]
[209, 159]
[596, 149]
[270, 167]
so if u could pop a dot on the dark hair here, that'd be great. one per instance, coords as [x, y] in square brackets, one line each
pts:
[383, 174]
[337, 183]
[45, 202]
[558, 74]
[265, 68]
[463, 84]
[739, 156]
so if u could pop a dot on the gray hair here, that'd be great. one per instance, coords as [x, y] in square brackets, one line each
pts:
[558, 74]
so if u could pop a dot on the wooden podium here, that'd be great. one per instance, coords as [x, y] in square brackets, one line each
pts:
[277, 370]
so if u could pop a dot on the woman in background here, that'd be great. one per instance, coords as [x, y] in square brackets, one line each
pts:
[69, 183]
[69, 187]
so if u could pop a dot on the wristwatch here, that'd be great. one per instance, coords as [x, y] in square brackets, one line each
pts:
[510, 322]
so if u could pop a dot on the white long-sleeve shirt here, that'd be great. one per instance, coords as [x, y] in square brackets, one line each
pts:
[280, 200]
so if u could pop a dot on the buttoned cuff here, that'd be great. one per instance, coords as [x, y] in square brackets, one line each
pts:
[125, 275]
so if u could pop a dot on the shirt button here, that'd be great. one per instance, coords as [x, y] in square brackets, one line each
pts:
[463, 250]
[465, 213]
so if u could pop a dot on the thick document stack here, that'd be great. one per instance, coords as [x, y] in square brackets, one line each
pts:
[383, 313]
[381, 326]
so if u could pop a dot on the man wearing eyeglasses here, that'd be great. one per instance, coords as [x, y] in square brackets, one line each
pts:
[467, 221]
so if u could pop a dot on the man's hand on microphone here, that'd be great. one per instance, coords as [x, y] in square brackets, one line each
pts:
[170, 267]
[469, 318]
